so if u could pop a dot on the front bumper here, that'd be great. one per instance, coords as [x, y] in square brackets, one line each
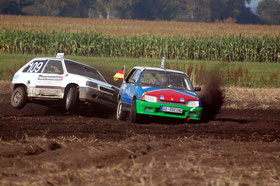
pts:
[94, 95]
[149, 108]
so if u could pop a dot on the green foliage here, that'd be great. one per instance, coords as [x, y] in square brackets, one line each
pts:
[227, 48]
[270, 11]
[154, 10]
[181, 10]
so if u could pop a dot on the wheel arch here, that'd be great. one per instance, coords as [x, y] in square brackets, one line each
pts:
[14, 86]
[69, 86]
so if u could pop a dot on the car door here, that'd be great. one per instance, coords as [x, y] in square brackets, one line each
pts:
[129, 88]
[49, 82]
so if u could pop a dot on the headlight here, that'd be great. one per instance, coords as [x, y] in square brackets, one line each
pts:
[150, 98]
[192, 103]
[91, 84]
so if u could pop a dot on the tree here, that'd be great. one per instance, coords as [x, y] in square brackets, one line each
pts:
[122, 9]
[224, 9]
[154, 10]
[199, 11]
[75, 8]
[269, 10]
[10, 7]
[50, 7]
[41, 7]
[181, 10]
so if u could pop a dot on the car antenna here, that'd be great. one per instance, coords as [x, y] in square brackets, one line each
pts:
[123, 73]
[162, 63]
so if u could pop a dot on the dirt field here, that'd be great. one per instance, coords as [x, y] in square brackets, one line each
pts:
[46, 146]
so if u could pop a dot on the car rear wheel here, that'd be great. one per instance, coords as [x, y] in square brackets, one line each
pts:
[121, 114]
[71, 98]
[19, 98]
[133, 113]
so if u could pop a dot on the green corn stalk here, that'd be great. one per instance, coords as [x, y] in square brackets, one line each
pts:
[227, 48]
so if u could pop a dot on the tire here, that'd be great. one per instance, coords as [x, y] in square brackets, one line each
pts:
[133, 113]
[70, 98]
[121, 113]
[19, 98]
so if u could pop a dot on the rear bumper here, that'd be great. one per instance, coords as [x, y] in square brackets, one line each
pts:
[149, 108]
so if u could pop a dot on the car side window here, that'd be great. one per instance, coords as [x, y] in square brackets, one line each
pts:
[53, 67]
[74, 68]
[129, 75]
[134, 77]
[35, 66]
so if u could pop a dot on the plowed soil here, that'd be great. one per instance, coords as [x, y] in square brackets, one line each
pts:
[46, 146]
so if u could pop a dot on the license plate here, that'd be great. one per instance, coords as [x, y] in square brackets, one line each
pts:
[171, 109]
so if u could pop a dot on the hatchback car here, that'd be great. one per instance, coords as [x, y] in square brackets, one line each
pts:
[158, 92]
[50, 78]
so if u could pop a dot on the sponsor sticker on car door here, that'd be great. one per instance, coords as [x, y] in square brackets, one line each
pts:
[50, 81]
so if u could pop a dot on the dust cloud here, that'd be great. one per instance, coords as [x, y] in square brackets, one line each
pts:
[212, 95]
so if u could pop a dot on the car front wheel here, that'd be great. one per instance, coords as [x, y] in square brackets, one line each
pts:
[121, 114]
[19, 98]
[71, 98]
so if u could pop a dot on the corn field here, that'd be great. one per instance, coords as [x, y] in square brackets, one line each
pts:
[226, 48]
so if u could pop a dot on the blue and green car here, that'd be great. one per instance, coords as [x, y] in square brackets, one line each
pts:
[158, 92]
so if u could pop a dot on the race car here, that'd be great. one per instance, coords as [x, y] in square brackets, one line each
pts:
[158, 92]
[46, 79]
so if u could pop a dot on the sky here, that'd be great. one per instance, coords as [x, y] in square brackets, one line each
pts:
[253, 5]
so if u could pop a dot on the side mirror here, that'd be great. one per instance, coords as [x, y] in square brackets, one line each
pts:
[197, 89]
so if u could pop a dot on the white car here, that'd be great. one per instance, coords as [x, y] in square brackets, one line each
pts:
[49, 78]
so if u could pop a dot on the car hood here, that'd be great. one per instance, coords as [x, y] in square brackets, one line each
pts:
[171, 95]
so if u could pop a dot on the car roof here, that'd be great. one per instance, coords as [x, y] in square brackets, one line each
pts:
[46, 58]
[159, 69]
[54, 58]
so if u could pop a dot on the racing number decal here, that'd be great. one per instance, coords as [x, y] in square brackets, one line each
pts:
[35, 67]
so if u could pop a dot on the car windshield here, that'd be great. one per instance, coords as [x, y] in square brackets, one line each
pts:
[83, 70]
[165, 79]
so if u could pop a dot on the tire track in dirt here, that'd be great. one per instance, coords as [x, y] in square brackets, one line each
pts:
[230, 123]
